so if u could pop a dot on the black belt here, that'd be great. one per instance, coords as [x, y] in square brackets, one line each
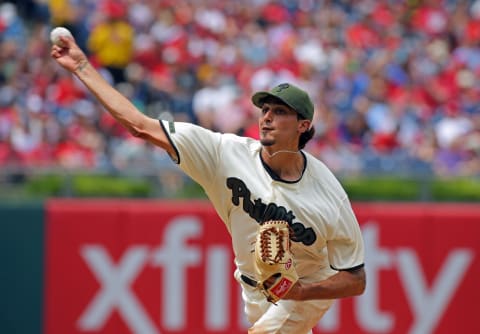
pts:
[249, 281]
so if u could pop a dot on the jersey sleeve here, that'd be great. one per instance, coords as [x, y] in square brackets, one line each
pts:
[196, 149]
[345, 246]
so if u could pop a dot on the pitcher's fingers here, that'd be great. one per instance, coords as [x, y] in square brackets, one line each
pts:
[67, 42]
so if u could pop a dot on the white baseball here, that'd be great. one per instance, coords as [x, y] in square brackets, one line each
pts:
[56, 33]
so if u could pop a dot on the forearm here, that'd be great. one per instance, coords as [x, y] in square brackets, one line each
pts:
[112, 100]
[341, 285]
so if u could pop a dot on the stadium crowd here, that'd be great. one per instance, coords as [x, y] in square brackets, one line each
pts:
[395, 83]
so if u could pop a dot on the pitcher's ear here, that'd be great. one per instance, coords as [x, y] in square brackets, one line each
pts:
[305, 125]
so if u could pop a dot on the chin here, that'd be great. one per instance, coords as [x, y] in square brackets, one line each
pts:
[267, 142]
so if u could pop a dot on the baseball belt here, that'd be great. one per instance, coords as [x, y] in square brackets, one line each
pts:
[249, 281]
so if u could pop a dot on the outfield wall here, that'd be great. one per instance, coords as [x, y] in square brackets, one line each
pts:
[132, 266]
[21, 273]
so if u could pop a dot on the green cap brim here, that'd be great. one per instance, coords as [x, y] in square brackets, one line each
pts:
[258, 97]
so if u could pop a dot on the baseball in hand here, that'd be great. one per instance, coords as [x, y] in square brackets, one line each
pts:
[56, 33]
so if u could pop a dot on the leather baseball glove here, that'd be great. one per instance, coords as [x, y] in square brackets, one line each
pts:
[274, 268]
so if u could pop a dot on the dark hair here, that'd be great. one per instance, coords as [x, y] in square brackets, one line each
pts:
[305, 137]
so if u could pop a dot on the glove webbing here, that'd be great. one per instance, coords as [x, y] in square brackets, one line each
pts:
[266, 245]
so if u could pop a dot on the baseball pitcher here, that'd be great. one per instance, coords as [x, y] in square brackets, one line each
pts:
[296, 240]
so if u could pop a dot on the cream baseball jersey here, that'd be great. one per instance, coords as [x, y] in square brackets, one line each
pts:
[244, 192]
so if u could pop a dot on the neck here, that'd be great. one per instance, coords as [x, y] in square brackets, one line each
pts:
[287, 164]
[280, 151]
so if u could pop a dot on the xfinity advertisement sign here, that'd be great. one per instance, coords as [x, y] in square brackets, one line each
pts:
[161, 270]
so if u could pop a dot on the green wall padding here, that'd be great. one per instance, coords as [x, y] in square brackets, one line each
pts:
[21, 268]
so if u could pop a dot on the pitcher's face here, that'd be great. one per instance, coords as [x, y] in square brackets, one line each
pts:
[279, 125]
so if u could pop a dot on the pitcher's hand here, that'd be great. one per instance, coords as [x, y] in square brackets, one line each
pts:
[70, 56]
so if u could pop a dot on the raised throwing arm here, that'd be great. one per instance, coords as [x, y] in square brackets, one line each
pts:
[73, 59]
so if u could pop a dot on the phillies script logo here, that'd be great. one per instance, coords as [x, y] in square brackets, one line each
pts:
[263, 212]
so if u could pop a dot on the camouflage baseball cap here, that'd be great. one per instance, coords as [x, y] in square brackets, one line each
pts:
[294, 97]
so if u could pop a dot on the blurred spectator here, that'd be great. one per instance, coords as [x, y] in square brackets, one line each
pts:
[12, 28]
[111, 39]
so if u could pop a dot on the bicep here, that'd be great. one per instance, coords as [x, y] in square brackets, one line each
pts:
[155, 134]
[358, 278]
[352, 282]
[345, 245]
[356, 274]
[345, 283]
